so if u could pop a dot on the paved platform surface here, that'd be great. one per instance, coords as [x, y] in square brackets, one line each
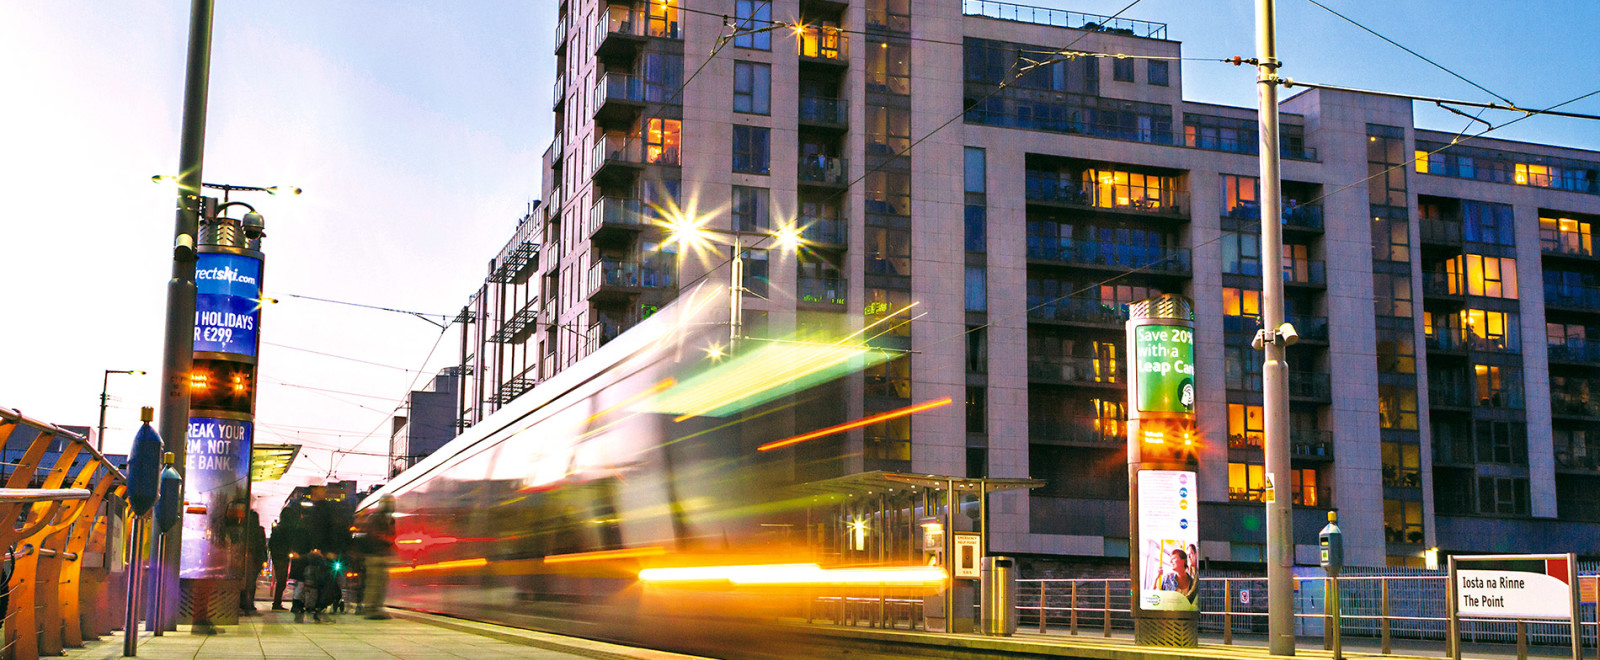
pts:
[407, 636]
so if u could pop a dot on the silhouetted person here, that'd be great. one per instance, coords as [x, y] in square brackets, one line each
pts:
[255, 539]
[289, 542]
[377, 533]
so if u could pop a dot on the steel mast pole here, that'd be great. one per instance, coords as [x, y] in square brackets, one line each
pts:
[1275, 371]
[178, 347]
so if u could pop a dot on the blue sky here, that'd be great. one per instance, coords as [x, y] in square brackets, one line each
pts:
[416, 130]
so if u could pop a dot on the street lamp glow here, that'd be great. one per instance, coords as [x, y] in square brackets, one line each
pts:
[686, 230]
[788, 238]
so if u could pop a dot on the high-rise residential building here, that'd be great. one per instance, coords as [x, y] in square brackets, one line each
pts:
[1023, 174]
[426, 422]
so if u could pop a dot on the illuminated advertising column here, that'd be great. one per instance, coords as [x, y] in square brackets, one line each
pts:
[216, 485]
[1163, 492]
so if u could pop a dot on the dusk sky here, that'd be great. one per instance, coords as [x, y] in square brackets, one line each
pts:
[415, 129]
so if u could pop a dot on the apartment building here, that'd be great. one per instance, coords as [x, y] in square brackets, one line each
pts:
[1446, 389]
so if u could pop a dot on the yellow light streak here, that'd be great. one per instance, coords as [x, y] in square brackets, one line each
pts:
[439, 566]
[788, 574]
[838, 428]
[601, 555]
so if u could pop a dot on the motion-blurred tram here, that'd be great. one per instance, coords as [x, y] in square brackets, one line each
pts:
[656, 493]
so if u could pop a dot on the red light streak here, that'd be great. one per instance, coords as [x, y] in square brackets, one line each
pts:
[892, 414]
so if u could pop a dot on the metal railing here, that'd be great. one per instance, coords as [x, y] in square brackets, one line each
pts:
[632, 274]
[1077, 310]
[1310, 385]
[615, 211]
[1077, 370]
[1587, 297]
[1079, 431]
[1007, 11]
[1119, 255]
[1570, 244]
[1304, 271]
[558, 93]
[821, 290]
[823, 169]
[829, 231]
[1120, 197]
[1576, 401]
[619, 87]
[824, 110]
[1442, 284]
[1378, 607]
[1441, 232]
[1575, 350]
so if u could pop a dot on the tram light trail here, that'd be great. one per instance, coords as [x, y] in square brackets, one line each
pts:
[601, 555]
[892, 414]
[790, 574]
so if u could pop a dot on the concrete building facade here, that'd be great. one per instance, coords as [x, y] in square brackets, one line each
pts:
[1020, 175]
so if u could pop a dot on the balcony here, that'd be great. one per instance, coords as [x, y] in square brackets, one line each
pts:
[1575, 351]
[1108, 197]
[1078, 311]
[558, 94]
[618, 97]
[1310, 386]
[1307, 217]
[1076, 371]
[1079, 432]
[824, 45]
[612, 216]
[1578, 459]
[1006, 11]
[616, 279]
[1310, 443]
[1441, 232]
[1448, 393]
[619, 157]
[1114, 256]
[624, 31]
[817, 231]
[1445, 339]
[1582, 400]
[821, 290]
[824, 112]
[1310, 328]
[599, 334]
[1321, 497]
[1584, 298]
[1567, 245]
[823, 171]
[561, 35]
[1443, 285]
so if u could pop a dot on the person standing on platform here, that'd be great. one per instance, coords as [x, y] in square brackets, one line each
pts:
[378, 534]
[289, 543]
[255, 539]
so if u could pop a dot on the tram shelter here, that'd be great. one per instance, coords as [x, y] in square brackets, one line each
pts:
[894, 518]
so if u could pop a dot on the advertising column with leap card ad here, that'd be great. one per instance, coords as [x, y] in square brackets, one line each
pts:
[1163, 492]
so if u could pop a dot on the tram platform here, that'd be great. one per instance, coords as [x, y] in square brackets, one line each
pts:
[406, 636]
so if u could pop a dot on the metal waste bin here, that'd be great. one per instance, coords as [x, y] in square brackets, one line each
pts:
[997, 580]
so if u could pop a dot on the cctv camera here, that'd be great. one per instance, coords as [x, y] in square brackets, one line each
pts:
[1260, 341]
[1287, 334]
[254, 227]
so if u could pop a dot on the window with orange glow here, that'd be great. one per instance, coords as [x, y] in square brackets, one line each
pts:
[1304, 483]
[1118, 189]
[1492, 277]
[1245, 426]
[1492, 331]
[1247, 482]
[1497, 386]
[663, 141]
[1401, 465]
[1397, 407]
[1566, 236]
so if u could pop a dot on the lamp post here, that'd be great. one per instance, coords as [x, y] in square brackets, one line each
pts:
[686, 230]
[105, 382]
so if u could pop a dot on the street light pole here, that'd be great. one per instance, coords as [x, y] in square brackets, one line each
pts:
[105, 382]
[1275, 371]
[178, 348]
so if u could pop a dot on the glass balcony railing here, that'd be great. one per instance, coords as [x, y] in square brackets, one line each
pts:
[821, 290]
[601, 333]
[1586, 297]
[827, 231]
[616, 212]
[1304, 271]
[615, 86]
[1442, 284]
[823, 169]
[1314, 443]
[1568, 244]
[1310, 385]
[1118, 197]
[1580, 398]
[1440, 232]
[1080, 431]
[1007, 11]
[1150, 258]
[1076, 310]
[1449, 392]
[1445, 339]
[1575, 350]
[629, 274]
[1303, 216]
[824, 110]
[559, 92]
[1076, 370]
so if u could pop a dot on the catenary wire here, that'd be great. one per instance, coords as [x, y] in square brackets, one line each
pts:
[1420, 56]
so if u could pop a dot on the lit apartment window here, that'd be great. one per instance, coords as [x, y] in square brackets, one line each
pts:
[1492, 331]
[662, 141]
[1242, 308]
[1297, 266]
[664, 19]
[1531, 175]
[1493, 277]
[1401, 465]
[1496, 386]
[1402, 521]
[1303, 481]
[1240, 196]
[889, 66]
[888, 251]
[1247, 482]
[1118, 189]
[1396, 351]
[1566, 236]
[888, 130]
[1245, 426]
[1397, 407]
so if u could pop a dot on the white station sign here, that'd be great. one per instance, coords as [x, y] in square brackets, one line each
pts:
[1513, 594]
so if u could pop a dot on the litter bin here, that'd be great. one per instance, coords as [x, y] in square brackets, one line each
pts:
[998, 605]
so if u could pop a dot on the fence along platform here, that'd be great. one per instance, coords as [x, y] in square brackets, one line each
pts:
[51, 528]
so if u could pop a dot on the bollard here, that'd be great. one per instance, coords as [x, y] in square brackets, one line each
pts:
[1522, 640]
[1074, 603]
[1338, 630]
[1384, 583]
[1227, 613]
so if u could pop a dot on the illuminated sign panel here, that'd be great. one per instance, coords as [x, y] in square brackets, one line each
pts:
[1164, 356]
[1169, 558]
[215, 485]
[227, 303]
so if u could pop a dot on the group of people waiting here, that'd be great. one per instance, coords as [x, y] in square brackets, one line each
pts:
[324, 552]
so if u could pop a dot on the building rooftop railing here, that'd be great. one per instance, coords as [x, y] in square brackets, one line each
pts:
[1007, 11]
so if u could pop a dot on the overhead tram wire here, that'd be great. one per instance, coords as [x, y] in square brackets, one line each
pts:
[336, 356]
[1419, 56]
[445, 318]
[399, 401]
